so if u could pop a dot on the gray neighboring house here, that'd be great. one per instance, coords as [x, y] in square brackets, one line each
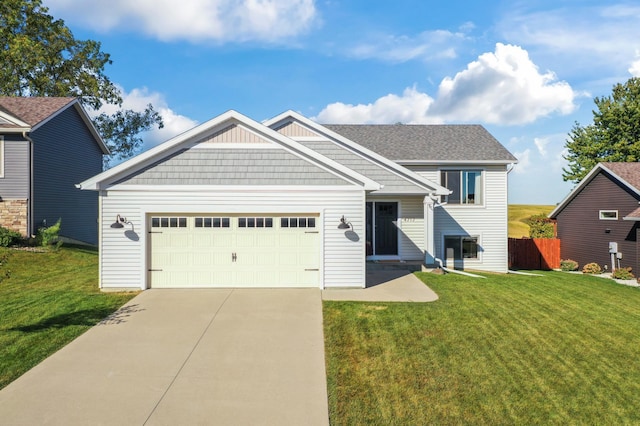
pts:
[47, 145]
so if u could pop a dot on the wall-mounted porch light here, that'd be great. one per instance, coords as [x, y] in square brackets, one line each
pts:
[345, 224]
[120, 222]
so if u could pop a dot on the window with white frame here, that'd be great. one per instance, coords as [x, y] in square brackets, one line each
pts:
[461, 247]
[608, 214]
[466, 186]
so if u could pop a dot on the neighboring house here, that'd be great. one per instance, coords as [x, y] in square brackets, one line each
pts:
[289, 202]
[602, 209]
[46, 146]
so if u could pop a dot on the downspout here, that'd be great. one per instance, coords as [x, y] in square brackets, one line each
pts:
[453, 271]
[30, 200]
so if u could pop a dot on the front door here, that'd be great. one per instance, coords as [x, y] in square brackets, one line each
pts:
[382, 230]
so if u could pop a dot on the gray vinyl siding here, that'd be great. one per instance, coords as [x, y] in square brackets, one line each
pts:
[234, 166]
[393, 184]
[584, 237]
[15, 183]
[488, 222]
[65, 153]
[124, 252]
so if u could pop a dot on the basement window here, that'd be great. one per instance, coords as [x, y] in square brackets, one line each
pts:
[608, 214]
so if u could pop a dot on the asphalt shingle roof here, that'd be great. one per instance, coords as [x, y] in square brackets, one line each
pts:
[429, 143]
[630, 172]
[31, 110]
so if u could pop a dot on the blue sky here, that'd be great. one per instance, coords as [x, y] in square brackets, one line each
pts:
[526, 70]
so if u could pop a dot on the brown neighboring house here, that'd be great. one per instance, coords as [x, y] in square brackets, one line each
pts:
[47, 145]
[604, 208]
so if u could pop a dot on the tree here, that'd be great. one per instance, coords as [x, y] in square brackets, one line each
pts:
[41, 57]
[613, 136]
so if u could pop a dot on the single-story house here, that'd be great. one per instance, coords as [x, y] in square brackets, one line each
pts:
[292, 203]
[47, 145]
[603, 208]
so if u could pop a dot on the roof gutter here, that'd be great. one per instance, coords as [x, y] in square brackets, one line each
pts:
[25, 134]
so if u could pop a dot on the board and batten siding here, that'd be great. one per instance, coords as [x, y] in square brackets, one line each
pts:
[124, 251]
[585, 237]
[488, 222]
[14, 185]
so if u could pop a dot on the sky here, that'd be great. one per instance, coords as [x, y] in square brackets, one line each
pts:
[525, 70]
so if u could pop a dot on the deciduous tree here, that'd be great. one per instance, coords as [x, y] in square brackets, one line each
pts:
[39, 56]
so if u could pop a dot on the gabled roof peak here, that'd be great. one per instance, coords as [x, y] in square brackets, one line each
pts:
[33, 110]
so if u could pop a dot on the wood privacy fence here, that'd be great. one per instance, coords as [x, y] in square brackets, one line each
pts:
[534, 253]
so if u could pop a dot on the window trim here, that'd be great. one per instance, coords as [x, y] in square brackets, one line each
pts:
[482, 190]
[602, 212]
[461, 238]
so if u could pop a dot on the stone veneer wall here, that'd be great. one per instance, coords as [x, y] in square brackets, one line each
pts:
[13, 215]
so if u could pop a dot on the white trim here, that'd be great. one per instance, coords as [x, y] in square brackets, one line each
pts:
[14, 120]
[232, 188]
[600, 216]
[466, 169]
[363, 152]
[218, 123]
[455, 162]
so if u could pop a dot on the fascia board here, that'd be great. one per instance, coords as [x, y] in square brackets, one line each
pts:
[452, 162]
[15, 120]
[584, 182]
[236, 188]
[167, 147]
[85, 118]
[360, 150]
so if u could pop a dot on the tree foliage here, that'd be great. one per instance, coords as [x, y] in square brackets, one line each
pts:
[41, 57]
[540, 226]
[614, 135]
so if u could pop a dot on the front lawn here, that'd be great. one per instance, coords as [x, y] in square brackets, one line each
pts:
[557, 349]
[49, 300]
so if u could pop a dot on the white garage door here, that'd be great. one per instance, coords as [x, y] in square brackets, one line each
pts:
[234, 251]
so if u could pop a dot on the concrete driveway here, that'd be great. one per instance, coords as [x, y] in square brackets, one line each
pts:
[185, 357]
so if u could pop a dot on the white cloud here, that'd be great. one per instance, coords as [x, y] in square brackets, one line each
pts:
[138, 99]
[427, 45]
[504, 87]
[410, 108]
[194, 20]
[541, 144]
[634, 70]
[580, 36]
[524, 161]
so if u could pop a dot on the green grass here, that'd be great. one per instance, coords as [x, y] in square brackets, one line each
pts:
[557, 349]
[518, 213]
[49, 300]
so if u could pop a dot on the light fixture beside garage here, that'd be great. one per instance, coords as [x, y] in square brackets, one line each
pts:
[345, 224]
[120, 222]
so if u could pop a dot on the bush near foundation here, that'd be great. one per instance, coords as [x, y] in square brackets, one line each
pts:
[622, 274]
[568, 265]
[9, 237]
[592, 268]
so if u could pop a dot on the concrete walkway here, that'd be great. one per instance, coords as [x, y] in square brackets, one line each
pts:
[386, 286]
[185, 357]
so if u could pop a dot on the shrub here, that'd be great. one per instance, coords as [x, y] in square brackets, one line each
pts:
[9, 237]
[622, 274]
[540, 226]
[568, 265]
[592, 268]
[49, 236]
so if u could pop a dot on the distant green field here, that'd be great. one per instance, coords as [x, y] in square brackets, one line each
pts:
[518, 213]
